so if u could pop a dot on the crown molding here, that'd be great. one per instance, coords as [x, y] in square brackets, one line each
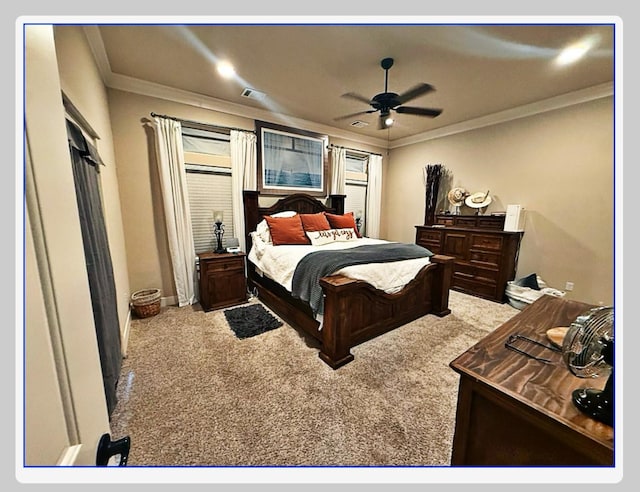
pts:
[99, 53]
[145, 88]
[553, 103]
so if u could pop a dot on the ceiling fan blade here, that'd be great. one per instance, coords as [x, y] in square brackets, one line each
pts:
[352, 115]
[357, 97]
[414, 92]
[419, 111]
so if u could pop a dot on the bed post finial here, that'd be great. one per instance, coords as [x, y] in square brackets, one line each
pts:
[251, 215]
[337, 202]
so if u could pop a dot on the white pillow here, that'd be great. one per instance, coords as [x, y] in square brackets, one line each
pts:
[319, 238]
[262, 229]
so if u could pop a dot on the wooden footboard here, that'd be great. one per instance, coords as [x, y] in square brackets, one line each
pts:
[355, 311]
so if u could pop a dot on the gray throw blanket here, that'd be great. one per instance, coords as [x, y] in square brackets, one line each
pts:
[306, 277]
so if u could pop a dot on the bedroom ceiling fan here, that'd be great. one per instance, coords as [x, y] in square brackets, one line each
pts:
[386, 101]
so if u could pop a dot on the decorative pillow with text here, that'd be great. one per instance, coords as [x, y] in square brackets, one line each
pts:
[319, 238]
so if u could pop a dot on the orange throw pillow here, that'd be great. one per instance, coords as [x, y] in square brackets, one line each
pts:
[344, 221]
[314, 222]
[286, 230]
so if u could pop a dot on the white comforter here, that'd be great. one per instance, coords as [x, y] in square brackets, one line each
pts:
[279, 263]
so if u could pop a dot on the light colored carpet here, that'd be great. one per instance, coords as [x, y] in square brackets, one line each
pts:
[191, 393]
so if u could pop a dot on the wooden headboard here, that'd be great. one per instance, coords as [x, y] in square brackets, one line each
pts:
[298, 202]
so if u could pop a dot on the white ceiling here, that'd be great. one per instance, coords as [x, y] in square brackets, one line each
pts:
[480, 72]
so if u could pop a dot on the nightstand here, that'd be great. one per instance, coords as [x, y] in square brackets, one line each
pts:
[223, 282]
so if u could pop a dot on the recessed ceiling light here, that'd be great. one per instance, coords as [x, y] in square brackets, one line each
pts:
[226, 69]
[574, 52]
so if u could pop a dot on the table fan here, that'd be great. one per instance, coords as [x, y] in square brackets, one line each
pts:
[587, 350]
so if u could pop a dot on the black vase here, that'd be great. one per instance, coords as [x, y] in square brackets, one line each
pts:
[434, 172]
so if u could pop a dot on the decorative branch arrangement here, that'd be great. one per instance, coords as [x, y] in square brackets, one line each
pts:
[432, 175]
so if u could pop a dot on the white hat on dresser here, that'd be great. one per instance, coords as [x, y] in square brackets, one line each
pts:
[480, 199]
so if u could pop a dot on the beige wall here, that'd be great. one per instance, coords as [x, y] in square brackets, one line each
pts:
[81, 82]
[558, 165]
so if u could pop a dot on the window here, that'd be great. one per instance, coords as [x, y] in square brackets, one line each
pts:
[356, 187]
[208, 165]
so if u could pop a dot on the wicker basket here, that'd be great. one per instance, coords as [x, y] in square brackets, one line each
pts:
[146, 302]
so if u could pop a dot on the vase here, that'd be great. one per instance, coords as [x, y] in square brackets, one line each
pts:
[434, 173]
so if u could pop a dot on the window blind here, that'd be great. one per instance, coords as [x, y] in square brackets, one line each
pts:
[355, 201]
[208, 184]
[209, 192]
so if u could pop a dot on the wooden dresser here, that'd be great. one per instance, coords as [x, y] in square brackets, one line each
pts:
[517, 411]
[223, 282]
[486, 257]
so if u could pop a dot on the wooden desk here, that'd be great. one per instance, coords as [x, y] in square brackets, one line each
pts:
[514, 410]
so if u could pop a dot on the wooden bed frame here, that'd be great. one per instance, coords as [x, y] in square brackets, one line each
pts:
[354, 311]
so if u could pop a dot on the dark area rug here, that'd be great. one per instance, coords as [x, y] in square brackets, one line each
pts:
[249, 321]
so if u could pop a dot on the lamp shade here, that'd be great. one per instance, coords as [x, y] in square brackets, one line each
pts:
[218, 216]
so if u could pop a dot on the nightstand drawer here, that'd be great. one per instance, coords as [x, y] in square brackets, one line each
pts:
[225, 264]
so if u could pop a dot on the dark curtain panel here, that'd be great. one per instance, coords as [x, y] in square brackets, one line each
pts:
[86, 166]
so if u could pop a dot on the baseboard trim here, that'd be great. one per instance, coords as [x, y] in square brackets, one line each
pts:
[124, 343]
[168, 301]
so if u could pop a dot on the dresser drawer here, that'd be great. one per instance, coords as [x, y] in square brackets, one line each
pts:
[429, 239]
[486, 242]
[447, 221]
[474, 287]
[429, 235]
[465, 221]
[485, 258]
[468, 271]
[495, 223]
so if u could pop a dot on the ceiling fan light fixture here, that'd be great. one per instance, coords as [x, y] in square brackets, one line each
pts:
[386, 102]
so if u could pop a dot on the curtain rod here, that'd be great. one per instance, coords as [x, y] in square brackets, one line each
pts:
[353, 150]
[218, 127]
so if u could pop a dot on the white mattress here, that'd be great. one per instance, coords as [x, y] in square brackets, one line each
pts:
[279, 263]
